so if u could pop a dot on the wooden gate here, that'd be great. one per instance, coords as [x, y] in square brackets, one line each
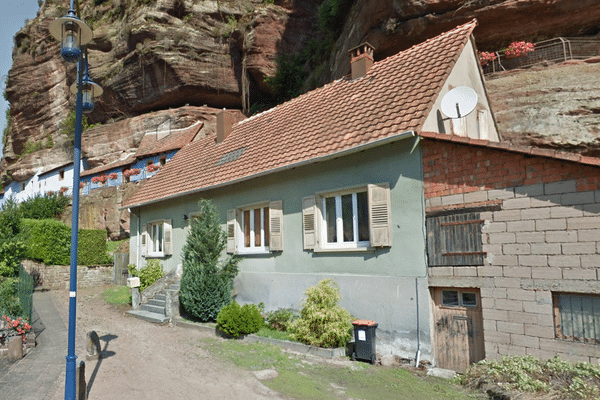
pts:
[121, 272]
[458, 325]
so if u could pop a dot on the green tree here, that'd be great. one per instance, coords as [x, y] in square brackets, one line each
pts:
[207, 280]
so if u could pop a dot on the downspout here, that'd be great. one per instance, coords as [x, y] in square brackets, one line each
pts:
[137, 245]
[424, 228]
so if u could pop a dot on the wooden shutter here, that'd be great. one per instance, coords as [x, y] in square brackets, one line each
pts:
[144, 246]
[454, 240]
[168, 227]
[309, 222]
[276, 225]
[231, 231]
[380, 215]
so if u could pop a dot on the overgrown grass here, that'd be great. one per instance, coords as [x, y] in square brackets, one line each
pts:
[305, 377]
[111, 246]
[550, 379]
[117, 295]
[274, 334]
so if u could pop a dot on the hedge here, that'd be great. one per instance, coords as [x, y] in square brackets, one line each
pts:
[49, 241]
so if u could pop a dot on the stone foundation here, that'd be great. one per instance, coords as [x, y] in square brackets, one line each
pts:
[57, 276]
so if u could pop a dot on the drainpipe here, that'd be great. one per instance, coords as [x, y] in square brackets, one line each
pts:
[137, 245]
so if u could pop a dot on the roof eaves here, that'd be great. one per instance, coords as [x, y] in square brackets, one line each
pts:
[345, 152]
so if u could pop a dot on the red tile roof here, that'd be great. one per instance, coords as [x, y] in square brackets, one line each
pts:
[150, 145]
[534, 151]
[394, 97]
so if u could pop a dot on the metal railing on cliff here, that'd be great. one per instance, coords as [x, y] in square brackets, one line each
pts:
[552, 51]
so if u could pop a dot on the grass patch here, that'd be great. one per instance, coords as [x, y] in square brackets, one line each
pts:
[111, 246]
[306, 377]
[274, 334]
[117, 295]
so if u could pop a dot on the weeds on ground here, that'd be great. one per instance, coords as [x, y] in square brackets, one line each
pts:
[309, 377]
[117, 295]
[550, 379]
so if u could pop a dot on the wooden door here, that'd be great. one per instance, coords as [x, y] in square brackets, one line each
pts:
[458, 325]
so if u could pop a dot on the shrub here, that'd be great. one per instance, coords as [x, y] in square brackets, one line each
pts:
[280, 319]
[206, 283]
[9, 303]
[11, 253]
[10, 220]
[40, 206]
[322, 321]
[49, 241]
[149, 274]
[235, 320]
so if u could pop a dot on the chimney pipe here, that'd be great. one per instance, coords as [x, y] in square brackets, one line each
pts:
[361, 59]
[224, 125]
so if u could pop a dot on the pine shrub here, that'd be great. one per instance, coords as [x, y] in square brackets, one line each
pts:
[207, 282]
[322, 321]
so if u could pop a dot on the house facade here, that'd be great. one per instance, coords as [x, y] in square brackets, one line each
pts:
[327, 185]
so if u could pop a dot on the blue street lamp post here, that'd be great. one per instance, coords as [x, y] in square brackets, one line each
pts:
[73, 34]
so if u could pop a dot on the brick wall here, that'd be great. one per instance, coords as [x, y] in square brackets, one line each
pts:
[543, 236]
[58, 276]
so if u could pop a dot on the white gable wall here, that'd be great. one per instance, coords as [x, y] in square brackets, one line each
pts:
[479, 124]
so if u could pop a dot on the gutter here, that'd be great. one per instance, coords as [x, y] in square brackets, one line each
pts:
[327, 157]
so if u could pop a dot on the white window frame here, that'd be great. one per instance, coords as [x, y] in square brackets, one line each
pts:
[150, 242]
[240, 237]
[340, 243]
[314, 227]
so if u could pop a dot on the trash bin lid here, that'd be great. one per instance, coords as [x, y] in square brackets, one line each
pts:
[364, 322]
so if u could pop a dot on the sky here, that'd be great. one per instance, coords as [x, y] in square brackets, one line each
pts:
[12, 19]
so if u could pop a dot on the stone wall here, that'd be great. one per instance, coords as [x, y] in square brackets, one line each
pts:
[541, 235]
[57, 276]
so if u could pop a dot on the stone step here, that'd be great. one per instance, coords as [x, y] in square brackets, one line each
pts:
[153, 309]
[157, 302]
[174, 286]
[161, 297]
[149, 316]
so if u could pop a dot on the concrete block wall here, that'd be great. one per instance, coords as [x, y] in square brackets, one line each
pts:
[58, 276]
[542, 236]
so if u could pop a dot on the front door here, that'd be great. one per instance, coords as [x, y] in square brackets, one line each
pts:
[458, 325]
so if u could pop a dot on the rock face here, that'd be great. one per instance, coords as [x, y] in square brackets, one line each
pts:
[555, 107]
[154, 55]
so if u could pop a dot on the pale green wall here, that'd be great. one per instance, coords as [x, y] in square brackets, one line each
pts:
[393, 163]
[387, 285]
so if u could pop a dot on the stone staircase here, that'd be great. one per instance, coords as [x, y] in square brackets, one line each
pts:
[160, 302]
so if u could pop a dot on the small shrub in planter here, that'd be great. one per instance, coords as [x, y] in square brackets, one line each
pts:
[322, 321]
[280, 319]
[234, 320]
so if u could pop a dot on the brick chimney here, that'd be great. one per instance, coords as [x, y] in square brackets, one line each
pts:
[361, 59]
[224, 125]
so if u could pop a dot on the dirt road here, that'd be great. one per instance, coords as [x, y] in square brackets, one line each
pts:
[147, 361]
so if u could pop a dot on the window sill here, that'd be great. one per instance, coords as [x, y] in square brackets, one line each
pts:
[345, 250]
[252, 252]
[155, 256]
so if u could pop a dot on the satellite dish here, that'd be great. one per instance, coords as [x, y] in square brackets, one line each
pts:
[459, 102]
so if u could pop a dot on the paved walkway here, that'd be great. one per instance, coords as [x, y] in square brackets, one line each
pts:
[35, 376]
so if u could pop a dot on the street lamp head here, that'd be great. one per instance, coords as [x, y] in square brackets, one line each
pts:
[72, 33]
[89, 90]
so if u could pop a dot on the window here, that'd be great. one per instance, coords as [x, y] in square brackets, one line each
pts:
[157, 239]
[162, 161]
[577, 317]
[455, 240]
[255, 229]
[61, 174]
[23, 186]
[459, 298]
[346, 220]
[353, 219]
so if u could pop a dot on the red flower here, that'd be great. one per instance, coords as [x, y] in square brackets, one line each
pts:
[113, 175]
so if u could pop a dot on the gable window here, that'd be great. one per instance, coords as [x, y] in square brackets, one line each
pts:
[157, 239]
[162, 161]
[61, 174]
[455, 240]
[353, 219]
[255, 229]
[577, 317]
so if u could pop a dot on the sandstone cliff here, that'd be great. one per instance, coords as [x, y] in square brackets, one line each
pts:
[152, 55]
